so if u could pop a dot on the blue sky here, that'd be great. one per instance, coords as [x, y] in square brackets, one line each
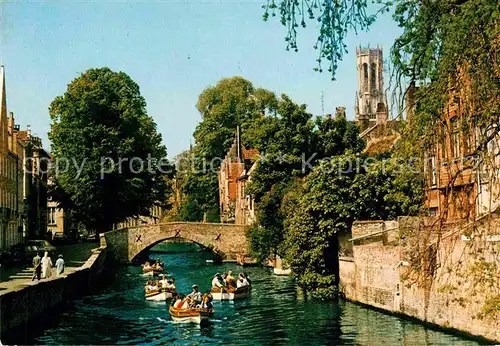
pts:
[172, 49]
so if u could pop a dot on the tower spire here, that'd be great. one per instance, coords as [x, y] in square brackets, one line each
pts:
[3, 112]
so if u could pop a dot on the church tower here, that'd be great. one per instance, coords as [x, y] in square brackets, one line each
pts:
[371, 104]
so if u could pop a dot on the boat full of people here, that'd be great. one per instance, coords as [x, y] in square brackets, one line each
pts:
[193, 308]
[152, 269]
[160, 290]
[226, 287]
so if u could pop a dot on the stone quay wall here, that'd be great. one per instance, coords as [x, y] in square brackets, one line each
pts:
[22, 305]
[228, 241]
[449, 292]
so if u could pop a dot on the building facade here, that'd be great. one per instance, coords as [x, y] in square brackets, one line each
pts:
[23, 176]
[371, 102]
[236, 206]
[462, 185]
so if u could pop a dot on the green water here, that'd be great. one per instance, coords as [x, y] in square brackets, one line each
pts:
[274, 314]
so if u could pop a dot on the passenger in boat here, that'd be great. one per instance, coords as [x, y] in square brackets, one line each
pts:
[230, 280]
[248, 278]
[170, 286]
[146, 266]
[218, 281]
[242, 281]
[195, 296]
[206, 302]
[180, 302]
[175, 298]
[164, 282]
[150, 286]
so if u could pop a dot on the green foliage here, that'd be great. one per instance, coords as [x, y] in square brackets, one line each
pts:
[491, 308]
[451, 48]
[230, 103]
[336, 193]
[103, 115]
[336, 19]
[291, 152]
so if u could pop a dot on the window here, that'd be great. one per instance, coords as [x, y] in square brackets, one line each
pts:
[365, 76]
[51, 215]
[373, 79]
[433, 168]
[455, 138]
[433, 211]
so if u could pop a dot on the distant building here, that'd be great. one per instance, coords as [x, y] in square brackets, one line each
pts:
[340, 113]
[34, 187]
[244, 212]
[371, 102]
[23, 201]
[59, 220]
[371, 109]
[235, 205]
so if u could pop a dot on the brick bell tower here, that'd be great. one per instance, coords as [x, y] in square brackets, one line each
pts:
[371, 102]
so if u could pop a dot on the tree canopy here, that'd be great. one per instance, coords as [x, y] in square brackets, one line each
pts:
[109, 159]
[230, 103]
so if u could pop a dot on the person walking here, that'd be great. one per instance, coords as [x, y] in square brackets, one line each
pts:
[60, 265]
[37, 267]
[46, 266]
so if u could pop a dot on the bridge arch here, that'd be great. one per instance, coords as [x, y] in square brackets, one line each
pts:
[218, 254]
[227, 241]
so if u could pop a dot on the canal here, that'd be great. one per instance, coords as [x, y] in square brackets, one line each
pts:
[274, 314]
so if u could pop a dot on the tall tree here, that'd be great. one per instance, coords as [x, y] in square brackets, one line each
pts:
[109, 159]
[296, 146]
[230, 103]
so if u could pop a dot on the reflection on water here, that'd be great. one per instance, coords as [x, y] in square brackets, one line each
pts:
[274, 314]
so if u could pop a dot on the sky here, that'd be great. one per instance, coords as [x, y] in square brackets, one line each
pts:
[173, 50]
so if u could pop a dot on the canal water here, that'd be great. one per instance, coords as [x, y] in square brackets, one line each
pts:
[274, 314]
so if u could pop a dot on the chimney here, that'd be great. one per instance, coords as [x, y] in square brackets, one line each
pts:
[28, 131]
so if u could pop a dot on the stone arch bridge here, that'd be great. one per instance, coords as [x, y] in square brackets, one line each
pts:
[227, 241]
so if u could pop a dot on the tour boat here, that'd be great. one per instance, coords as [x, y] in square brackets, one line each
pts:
[231, 293]
[190, 315]
[151, 271]
[160, 295]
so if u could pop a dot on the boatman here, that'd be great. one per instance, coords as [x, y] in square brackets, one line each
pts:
[230, 280]
[218, 281]
[195, 296]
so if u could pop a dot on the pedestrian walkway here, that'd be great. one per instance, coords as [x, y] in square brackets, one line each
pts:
[74, 256]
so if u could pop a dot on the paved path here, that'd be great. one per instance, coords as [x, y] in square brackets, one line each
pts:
[74, 256]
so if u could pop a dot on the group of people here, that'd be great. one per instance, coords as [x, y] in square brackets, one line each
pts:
[42, 266]
[155, 266]
[163, 284]
[195, 299]
[227, 280]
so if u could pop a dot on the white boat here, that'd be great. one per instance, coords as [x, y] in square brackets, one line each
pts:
[191, 315]
[151, 272]
[231, 293]
[159, 295]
